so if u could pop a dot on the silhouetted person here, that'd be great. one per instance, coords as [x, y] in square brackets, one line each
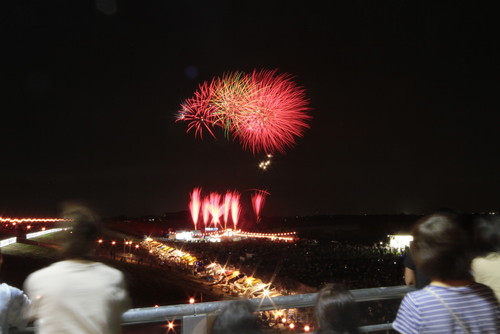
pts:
[78, 295]
[413, 276]
[13, 305]
[237, 317]
[486, 264]
[452, 302]
[336, 311]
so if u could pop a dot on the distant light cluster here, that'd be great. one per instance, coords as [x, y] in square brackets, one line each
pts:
[32, 220]
[264, 110]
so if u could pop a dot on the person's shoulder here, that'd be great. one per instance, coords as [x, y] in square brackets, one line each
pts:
[418, 296]
[9, 289]
[40, 272]
[43, 273]
[486, 259]
[104, 268]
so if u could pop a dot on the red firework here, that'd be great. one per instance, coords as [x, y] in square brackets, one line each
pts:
[275, 116]
[206, 211]
[258, 199]
[195, 205]
[235, 208]
[265, 110]
[199, 112]
[215, 208]
[227, 206]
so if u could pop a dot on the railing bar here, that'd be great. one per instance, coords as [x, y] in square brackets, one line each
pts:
[375, 328]
[162, 313]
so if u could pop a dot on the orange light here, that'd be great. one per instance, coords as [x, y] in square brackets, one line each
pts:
[113, 243]
[191, 300]
[283, 320]
[307, 328]
[99, 241]
[170, 325]
[292, 325]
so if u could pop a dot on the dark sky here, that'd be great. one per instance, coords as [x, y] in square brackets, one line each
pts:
[404, 100]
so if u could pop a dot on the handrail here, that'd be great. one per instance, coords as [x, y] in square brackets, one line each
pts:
[162, 313]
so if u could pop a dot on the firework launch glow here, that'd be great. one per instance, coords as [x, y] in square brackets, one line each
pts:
[266, 111]
[214, 206]
[235, 209]
[194, 205]
[258, 199]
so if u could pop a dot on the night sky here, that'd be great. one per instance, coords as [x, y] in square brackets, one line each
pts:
[404, 100]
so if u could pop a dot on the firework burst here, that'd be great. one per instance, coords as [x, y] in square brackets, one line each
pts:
[266, 111]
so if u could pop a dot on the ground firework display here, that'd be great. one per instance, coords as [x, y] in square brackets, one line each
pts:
[215, 206]
[265, 110]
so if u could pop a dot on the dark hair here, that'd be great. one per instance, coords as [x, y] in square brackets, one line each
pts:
[440, 248]
[487, 234]
[336, 311]
[237, 317]
[85, 228]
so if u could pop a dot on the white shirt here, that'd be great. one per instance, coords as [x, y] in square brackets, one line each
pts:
[486, 270]
[13, 303]
[77, 296]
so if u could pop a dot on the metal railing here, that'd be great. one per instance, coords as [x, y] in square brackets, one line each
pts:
[195, 316]
[199, 310]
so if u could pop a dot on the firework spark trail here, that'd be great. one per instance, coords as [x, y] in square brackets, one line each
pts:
[265, 110]
[206, 211]
[195, 205]
[235, 208]
[258, 199]
[227, 206]
[215, 208]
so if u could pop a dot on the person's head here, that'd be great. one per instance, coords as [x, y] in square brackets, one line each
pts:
[336, 311]
[85, 228]
[237, 317]
[440, 248]
[487, 234]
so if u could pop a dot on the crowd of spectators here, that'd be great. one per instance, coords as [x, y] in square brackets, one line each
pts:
[305, 267]
[310, 265]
